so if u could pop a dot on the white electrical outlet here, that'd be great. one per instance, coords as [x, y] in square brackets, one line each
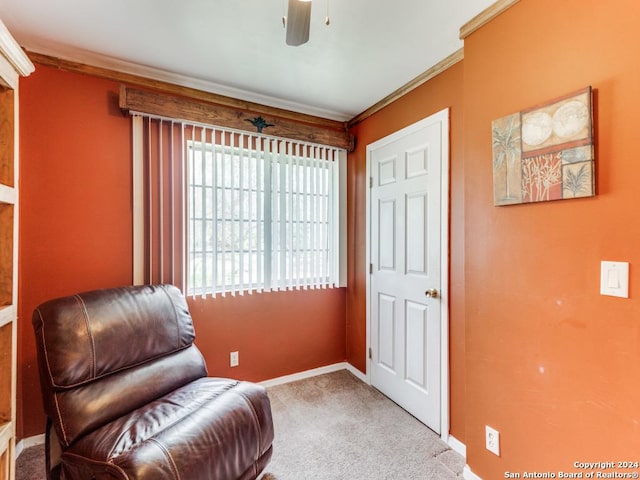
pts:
[234, 359]
[492, 437]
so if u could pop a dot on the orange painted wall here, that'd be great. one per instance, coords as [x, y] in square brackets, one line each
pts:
[550, 363]
[75, 205]
[445, 90]
[277, 333]
[75, 235]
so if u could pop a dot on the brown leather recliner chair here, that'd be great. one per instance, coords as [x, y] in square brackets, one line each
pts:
[126, 392]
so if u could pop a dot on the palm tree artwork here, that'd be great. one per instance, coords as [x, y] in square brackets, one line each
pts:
[578, 180]
[507, 153]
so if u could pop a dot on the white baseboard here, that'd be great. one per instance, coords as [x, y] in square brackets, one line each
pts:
[357, 373]
[467, 474]
[306, 374]
[457, 446]
[29, 442]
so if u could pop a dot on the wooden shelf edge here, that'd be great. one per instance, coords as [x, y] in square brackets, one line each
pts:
[7, 194]
[6, 432]
[7, 315]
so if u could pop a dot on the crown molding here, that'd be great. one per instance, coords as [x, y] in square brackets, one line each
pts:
[188, 92]
[13, 53]
[437, 69]
[485, 17]
[71, 58]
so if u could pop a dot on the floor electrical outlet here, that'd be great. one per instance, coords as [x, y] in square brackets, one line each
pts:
[492, 440]
[234, 359]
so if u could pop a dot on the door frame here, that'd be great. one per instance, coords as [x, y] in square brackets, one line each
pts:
[443, 117]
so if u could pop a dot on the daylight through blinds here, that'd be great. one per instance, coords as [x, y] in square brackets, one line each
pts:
[258, 213]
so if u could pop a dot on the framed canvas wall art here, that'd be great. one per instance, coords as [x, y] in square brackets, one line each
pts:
[545, 152]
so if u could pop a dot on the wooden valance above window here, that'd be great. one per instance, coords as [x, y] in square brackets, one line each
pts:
[328, 133]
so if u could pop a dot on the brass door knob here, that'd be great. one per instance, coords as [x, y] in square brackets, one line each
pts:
[432, 292]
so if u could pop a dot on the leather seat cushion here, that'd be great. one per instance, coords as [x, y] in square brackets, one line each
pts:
[211, 428]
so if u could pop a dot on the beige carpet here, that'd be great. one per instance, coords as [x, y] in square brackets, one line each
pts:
[334, 427]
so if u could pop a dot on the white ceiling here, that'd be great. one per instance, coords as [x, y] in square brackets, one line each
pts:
[237, 47]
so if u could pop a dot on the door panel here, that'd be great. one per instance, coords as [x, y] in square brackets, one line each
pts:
[416, 318]
[387, 325]
[417, 162]
[387, 173]
[416, 233]
[386, 235]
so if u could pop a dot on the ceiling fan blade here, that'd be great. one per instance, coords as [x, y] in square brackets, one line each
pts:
[298, 21]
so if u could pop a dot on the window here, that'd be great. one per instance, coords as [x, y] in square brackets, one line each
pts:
[226, 201]
[261, 214]
[219, 211]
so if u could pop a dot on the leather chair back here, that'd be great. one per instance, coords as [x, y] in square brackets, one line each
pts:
[99, 360]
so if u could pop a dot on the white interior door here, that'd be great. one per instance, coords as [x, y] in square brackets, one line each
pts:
[406, 255]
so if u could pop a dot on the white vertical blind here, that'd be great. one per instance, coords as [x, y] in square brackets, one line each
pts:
[259, 213]
[138, 200]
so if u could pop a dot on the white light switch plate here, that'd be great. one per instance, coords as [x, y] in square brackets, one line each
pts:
[234, 359]
[614, 279]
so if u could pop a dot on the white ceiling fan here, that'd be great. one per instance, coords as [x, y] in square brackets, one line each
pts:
[298, 20]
